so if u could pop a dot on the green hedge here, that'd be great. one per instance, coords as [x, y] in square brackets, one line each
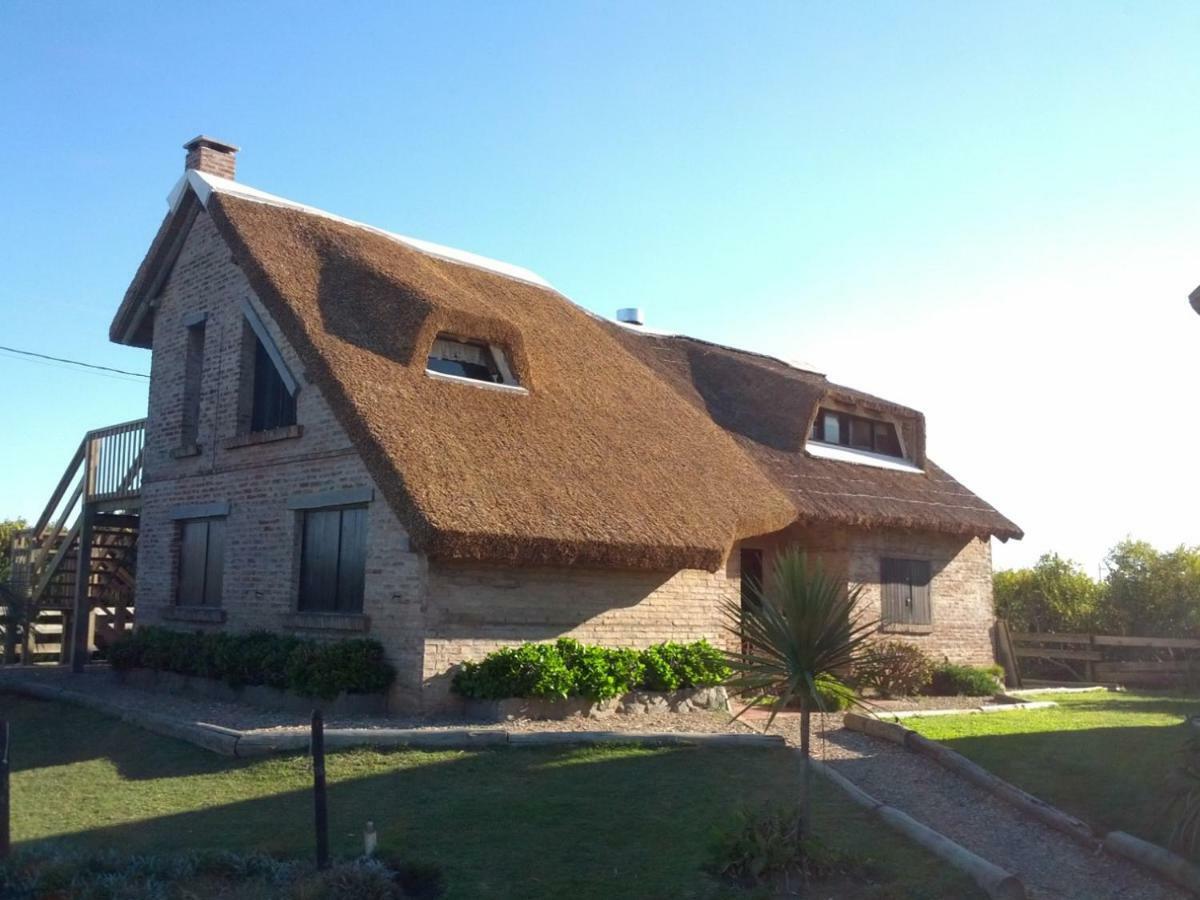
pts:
[568, 668]
[950, 680]
[307, 667]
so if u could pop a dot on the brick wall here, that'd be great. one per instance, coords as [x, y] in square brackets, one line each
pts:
[474, 609]
[262, 535]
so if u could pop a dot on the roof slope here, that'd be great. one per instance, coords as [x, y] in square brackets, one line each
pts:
[768, 407]
[628, 450]
[600, 463]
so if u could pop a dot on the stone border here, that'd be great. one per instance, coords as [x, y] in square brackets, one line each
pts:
[245, 744]
[1158, 859]
[633, 703]
[963, 711]
[996, 882]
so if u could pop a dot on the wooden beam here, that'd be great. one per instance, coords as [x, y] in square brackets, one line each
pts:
[1056, 653]
[82, 607]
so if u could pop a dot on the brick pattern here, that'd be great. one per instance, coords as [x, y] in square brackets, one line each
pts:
[215, 162]
[475, 609]
[262, 534]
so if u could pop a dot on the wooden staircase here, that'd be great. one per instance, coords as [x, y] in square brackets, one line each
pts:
[77, 564]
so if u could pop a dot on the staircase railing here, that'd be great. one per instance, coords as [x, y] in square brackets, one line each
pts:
[106, 467]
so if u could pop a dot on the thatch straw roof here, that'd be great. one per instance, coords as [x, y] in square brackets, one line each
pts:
[626, 451]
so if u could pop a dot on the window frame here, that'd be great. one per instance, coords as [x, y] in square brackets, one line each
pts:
[211, 593]
[450, 349]
[340, 579]
[846, 422]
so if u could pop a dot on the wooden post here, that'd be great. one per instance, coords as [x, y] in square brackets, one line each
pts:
[83, 580]
[320, 811]
[5, 834]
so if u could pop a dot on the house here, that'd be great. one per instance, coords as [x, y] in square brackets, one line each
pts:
[353, 433]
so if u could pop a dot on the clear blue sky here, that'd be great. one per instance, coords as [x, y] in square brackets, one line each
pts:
[987, 211]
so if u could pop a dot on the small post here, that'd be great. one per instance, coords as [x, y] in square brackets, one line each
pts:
[320, 811]
[5, 834]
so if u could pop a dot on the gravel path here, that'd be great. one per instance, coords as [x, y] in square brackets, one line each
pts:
[1051, 864]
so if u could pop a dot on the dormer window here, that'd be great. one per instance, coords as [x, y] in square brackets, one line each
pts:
[856, 432]
[470, 360]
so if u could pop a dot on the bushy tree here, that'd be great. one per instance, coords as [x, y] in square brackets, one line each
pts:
[8, 531]
[1056, 594]
[1152, 593]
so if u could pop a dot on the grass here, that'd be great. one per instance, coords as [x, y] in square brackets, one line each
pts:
[1105, 757]
[587, 823]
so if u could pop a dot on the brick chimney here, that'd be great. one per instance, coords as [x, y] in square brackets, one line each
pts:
[205, 154]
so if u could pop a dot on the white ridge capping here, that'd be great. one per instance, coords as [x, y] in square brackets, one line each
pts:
[205, 184]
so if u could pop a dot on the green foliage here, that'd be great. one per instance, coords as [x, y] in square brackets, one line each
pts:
[1054, 595]
[1145, 592]
[950, 680]
[8, 531]
[307, 667]
[769, 844]
[894, 669]
[568, 668]
[51, 871]
[804, 626]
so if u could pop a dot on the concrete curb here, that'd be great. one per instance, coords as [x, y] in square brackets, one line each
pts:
[998, 883]
[247, 744]
[1157, 859]
[965, 711]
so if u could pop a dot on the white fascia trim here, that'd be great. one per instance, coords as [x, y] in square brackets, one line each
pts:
[205, 184]
[475, 382]
[839, 453]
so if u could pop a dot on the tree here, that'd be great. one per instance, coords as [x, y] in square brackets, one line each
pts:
[1152, 593]
[802, 630]
[8, 530]
[1055, 595]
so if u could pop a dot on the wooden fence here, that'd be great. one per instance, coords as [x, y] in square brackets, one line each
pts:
[1106, 659]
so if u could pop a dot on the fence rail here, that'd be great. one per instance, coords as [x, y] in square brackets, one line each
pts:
[1109, 658]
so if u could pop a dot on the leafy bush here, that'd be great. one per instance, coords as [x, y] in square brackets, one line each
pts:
[307, 667]
[762, 845]
[50, 871]
[950, 680]
[894, 669]
[568, 668]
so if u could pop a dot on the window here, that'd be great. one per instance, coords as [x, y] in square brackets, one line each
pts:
[751, 564]
[201, 562]
[474, 360]
[333, 557]
[906, 592]
[193, 369]
[272, 405]
[856, 432]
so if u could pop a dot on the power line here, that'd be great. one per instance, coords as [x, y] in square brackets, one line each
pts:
[73, 362]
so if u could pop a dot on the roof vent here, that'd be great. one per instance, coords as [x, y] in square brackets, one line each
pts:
[631, 315]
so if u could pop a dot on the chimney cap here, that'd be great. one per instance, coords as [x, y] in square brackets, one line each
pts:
[631, 315]
[203, 140]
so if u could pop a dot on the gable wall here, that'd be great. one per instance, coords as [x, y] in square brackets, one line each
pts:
[262, 535]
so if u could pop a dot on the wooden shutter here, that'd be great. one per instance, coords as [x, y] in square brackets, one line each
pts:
[214, 566]
[352, 560]
[193, 540]
[894, 607]
[918, 579]
[318, 560]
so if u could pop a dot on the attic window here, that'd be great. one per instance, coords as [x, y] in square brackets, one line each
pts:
[856, 432]
[470, 360]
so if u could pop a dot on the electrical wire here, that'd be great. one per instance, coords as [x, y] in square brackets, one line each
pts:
[72, 362]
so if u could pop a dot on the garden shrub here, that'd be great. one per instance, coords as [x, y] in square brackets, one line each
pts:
[568, 668]
[307, 667]
[893, 669]
[763, 845]
[950, 680]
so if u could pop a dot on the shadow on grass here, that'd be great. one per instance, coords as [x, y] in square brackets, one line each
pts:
[46, 733]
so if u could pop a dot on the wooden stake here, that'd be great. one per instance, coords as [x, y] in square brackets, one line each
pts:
[320, 810]
[5, 834]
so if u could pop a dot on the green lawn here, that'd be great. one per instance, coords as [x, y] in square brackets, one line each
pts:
[1101, 756]
[584, 823]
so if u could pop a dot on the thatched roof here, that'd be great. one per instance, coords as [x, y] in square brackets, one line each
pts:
[625, 451]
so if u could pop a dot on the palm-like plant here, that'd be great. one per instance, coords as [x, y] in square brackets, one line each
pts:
[801, 631]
